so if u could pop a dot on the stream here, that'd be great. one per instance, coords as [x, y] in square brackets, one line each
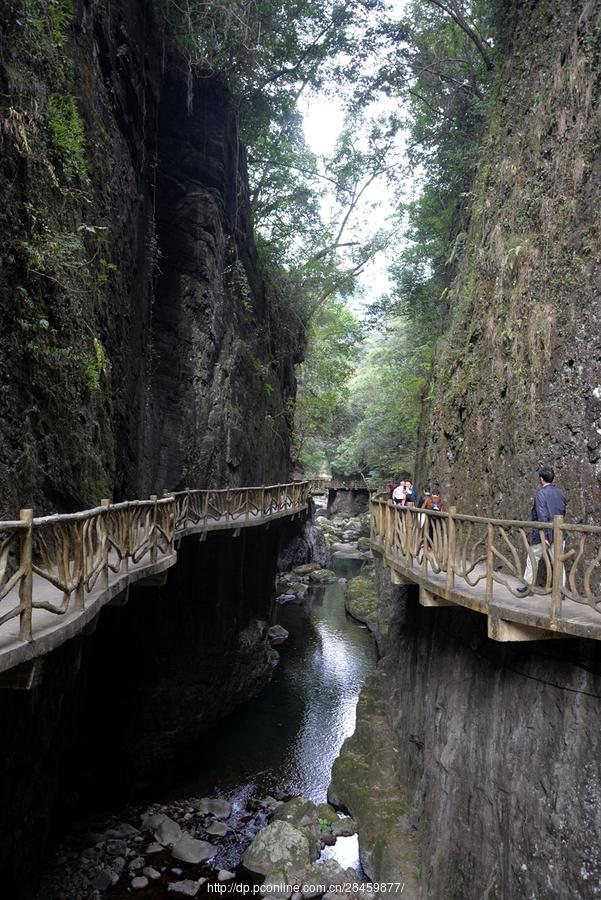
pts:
[281, 743]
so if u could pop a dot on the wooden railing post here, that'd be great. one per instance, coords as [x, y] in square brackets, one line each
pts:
[80, 567]
[409, 535]
[557, 586]
[262, 502]
[26, 584]
[153, 531]
[425, 543]
[206, 507]
[490, 538]
[451, 548]
[105, 503]
[227, 505]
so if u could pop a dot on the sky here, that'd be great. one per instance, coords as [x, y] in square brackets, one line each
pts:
[323, 119]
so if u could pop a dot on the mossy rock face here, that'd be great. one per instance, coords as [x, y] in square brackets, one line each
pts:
[304, 815]
[365, 781]
[361, 601]
[364, 544]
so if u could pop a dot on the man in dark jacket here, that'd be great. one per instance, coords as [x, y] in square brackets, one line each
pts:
[549, 501]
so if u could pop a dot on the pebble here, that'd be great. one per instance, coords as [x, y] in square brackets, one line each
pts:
[225, 875]
[155, 847]
[218, 829]
[139, 882]
[103, 880]
[137, 863]
[187, 888]
[151, 873]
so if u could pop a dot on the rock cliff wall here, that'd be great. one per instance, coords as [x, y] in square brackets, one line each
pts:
[494, 760]
[518, 381]
[139, 347]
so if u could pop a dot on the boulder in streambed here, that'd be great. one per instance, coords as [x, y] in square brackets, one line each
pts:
[191, 850]
[323, 576]
[279, 846]
[364, 544]
[306, 569]
[217, 829]
[361, 601]
[277, 635]
[319, 878]
[187, 888]
[213, 806]
[165, 830]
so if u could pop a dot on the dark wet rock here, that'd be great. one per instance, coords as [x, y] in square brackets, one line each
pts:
[277, 635]
[103, 880]
[139, 882]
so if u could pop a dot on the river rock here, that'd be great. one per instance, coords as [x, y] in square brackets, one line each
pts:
[306, 569]
[213, 806]
[191, 850]
[151, 873]
[319, 878]
[139, 882]
[188, 888]
[344, 827]
[299, 812]
[322, 576]
[137, 863]
[166, 831]
[277, 634]
[277, 885]
[155, 847]
[278, 846]
[286, 598]
[103, 880]
[123, 830]
[225, 875]
[364, 544]
[350, 535]
[217, 829]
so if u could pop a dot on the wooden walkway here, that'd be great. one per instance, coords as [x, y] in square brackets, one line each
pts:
[479, 563]
[58, 572]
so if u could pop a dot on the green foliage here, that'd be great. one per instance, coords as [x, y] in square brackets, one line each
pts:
[334, 344]
[68, 135]
[386, 395]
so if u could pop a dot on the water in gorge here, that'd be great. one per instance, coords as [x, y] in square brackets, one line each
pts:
[283, 742]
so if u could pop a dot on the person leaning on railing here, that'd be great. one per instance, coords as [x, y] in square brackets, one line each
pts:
[549, 501]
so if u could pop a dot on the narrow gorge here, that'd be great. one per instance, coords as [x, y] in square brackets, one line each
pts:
[297, 302]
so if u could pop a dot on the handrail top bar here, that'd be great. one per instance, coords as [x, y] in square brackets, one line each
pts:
[14, 526]
[255, 487]
[84, 514]
[481, 520]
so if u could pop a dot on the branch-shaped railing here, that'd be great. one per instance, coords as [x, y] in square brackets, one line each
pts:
[473, 550]
[79, 553]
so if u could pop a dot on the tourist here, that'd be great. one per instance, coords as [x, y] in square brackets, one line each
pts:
[398, 495]
[410, 492]
[426, 492]
[549, 501]
[434, 501]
